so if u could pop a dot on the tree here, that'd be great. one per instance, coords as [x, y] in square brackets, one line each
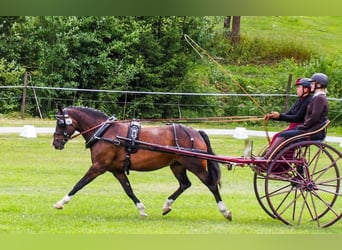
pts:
[233, 31]
[146, 53]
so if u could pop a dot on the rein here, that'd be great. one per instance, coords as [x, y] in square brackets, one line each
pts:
[88, 130]
[266, 131]
[190, 120]
[202, 119]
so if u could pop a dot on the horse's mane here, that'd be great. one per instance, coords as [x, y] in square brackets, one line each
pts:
[95, 112]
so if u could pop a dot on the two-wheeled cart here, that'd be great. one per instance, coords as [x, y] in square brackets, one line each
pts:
[298, 183]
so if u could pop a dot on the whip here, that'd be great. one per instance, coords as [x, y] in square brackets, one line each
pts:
[201, 52]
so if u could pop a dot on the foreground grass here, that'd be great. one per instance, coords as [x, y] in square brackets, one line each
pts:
[34, 176]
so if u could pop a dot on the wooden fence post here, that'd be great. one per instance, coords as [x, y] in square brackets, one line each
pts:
[23, 102]
[288, 93]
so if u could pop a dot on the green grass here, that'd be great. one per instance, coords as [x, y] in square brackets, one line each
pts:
[320, 32]
[17, 122]
[33, 176]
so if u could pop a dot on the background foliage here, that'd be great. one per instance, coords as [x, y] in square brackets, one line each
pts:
[150, 54]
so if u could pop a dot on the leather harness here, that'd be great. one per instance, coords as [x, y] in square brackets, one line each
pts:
[132, 136]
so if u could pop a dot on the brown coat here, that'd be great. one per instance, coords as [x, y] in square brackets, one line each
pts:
[316, 113]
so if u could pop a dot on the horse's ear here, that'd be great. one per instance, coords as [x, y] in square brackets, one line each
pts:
[60, 108]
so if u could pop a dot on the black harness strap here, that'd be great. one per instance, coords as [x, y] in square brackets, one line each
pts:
[175, 134]
[176, 138]
[99, 133]
[131, 148]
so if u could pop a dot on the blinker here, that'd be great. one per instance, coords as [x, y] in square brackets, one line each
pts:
[68, 121]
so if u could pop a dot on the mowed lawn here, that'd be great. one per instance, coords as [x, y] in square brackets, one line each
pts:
[33, 176]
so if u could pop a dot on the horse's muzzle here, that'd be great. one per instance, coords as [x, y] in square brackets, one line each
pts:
[58, 144]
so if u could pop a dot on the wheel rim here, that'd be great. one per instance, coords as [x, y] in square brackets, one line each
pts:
[259, 191]
[302, 184]
[259, 186]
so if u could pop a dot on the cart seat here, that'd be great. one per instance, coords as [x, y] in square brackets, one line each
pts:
[315, 135]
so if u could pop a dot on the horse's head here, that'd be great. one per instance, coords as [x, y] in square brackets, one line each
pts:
[64, 129]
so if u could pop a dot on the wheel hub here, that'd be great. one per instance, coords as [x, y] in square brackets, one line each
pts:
[309, 186]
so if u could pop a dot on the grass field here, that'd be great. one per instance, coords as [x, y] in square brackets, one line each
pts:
[321, 32]
[33, 176]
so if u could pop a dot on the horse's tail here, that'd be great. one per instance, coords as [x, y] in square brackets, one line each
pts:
[214, 170]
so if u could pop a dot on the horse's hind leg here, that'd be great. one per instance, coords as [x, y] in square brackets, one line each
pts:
[122, 178]
[213, 186]
[184, 183]
[220, 204]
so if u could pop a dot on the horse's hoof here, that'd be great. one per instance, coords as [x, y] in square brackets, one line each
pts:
[58, 206]
[143, 214]
[228, 215]
[166, 211]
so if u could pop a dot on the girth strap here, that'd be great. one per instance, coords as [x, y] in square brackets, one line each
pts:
[133, 135]
[176, 137]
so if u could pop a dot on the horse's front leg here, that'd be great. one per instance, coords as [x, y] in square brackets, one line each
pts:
[122, 178]
[87, 178]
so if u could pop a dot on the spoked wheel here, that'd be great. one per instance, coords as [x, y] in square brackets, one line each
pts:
[259, 191]
[259, 186]
[302, 184]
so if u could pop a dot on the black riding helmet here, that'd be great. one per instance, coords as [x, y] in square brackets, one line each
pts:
[320, 78]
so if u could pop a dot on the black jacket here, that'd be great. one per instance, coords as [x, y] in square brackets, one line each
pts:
[297, 111]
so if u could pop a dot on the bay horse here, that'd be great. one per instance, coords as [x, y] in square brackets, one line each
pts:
[110, 154]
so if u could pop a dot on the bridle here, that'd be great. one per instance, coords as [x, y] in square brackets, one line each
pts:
[64, 121]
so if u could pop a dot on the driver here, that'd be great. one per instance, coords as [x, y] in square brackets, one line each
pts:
[296, 113]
